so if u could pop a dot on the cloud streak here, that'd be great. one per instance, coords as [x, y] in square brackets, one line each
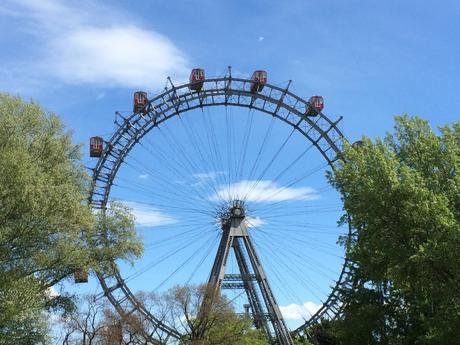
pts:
[204, 178]
[263, 191]
[147, 215]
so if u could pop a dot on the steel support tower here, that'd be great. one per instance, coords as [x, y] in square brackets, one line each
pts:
[265, 311]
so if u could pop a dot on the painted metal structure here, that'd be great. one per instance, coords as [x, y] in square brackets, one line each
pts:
[275, 101]
[265, 311]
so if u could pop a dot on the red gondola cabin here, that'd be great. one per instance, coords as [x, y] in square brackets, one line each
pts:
[96, 146]
[80, 276]
[140, 100]
[259, 79]
[316, 105]
[196, 79]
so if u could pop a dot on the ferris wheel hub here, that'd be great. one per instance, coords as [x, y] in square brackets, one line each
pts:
[238, 212]
[237, 209]
[231, 210]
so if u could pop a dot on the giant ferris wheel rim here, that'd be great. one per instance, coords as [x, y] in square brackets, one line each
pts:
[279, 102]
[223, 87]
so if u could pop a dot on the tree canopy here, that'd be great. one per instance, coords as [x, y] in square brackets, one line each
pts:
[402, 194]
[47, 229]
[219, 325]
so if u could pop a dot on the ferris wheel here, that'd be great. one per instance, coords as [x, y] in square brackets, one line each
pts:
[227, 197]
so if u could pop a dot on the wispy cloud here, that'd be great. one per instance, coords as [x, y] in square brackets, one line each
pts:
[263, 191]
[122, 55]
[299, 311]
[208, 175]
[204, 178]
[254, 222]
[147, 215]
[81, 46]
[143, 176]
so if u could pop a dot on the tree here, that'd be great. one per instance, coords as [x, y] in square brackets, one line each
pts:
[97, 323]
[85, 326]
[301, 340]
[221, 325]
[47, 229]
[402, 194]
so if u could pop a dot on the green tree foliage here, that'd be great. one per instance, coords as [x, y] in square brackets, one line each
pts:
[322, 333]
[220, 326]
[47, 229]
[403, 195]
[301, 340]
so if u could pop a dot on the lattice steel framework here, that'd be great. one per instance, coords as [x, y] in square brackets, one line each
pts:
[267, 315]
[279, 102]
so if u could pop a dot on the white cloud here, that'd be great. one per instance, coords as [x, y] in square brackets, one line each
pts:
[261, 38]
[120, 55]
[87, 43]
[147, 215]
[254, 222]
[299, 311]
[143, 176]
[263, 191]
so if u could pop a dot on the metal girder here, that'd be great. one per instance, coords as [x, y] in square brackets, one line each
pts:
[264, 317]
[239, 277]
[248, 284]
[230, 286]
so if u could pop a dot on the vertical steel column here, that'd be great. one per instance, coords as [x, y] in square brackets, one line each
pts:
[276, 318]
[254, 301]
[218, 268]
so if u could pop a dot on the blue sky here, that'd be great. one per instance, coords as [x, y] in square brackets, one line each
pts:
[370, 60]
